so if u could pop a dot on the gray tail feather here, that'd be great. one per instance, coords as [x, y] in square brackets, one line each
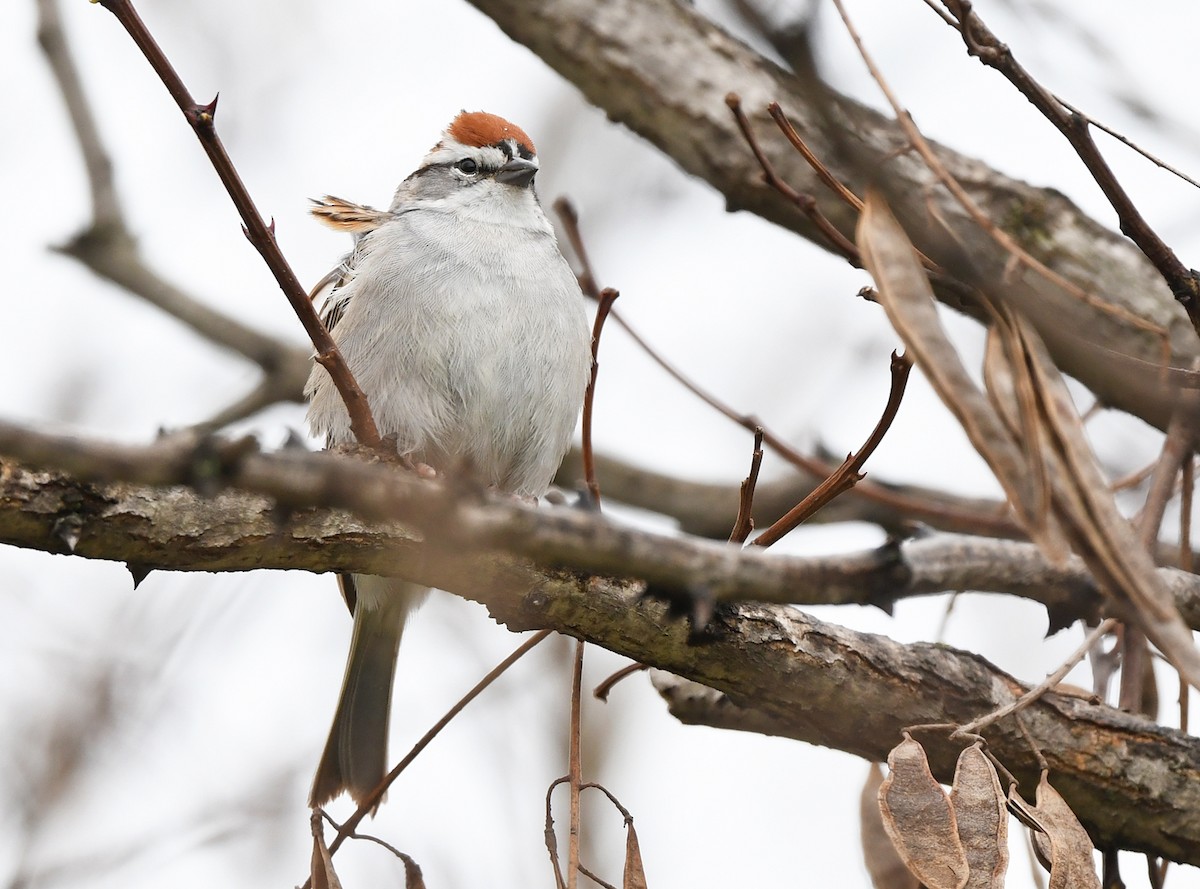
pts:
[355, 757]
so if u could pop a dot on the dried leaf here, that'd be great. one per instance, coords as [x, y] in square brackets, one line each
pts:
[323, 874]
[1010, 389]
[635, 876]
[883, 862]
[982, 816]
[918, 818]
[907, 297]
[1071, 862]
[413, 878]
[1040, 410]
[1102, 536]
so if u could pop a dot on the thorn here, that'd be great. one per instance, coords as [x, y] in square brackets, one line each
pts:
[139, 572]
[246, 232]
[68, 530]
[208, 112]
[271, 227]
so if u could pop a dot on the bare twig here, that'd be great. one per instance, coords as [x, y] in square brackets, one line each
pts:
[603, 306]
[806, 203]
[368, 805]
[917, 508]
[985, 46]
[810, 157]
[570, 220]
[1035, 693]
[261, 235]
[980, 218]
[575, 764]
[604, 689]
[848, 474]
[744, 523]
[109, 249]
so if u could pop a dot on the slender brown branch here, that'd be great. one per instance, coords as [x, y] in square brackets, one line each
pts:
[604, 689]
[575, 764]
[983, 44]
[1039, 691]
[849, 473]
[368, 805]
[1123, 139]
[603, 306]
[810, 157]
[806, 203]
[261, 235]
[569, 217]
[744, 523]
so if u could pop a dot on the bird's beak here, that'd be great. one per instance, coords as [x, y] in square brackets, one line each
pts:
[517, 172]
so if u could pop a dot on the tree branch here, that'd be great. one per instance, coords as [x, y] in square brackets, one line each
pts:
[283, 521]
[796, 673]
[663, 70]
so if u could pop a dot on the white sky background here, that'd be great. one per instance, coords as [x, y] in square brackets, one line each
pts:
[221, 686]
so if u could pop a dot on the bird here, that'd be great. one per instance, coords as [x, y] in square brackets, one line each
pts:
[467, 331]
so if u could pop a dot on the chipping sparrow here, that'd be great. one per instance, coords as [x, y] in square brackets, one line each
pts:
[466, 329]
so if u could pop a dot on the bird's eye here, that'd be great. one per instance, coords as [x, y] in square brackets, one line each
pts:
[467, 165]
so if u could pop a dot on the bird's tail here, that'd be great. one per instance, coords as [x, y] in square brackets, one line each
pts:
[355, 757]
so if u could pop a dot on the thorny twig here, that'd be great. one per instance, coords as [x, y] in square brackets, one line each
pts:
[848, 474]
[109, 249]
[261, 235]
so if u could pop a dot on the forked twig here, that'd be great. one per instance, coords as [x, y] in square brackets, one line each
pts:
[848, 474]
[260, 234]
[806, 203]
[744, 523]
[1042, 687]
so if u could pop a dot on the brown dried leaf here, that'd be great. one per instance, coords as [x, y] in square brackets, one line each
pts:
[1070, 852]
[1010, 389]
[1038, 838]
[907, 297]
[635, 876]
[1103, 537]
[982, 816]
[918, 818]
[413, 878]
[323, 875]
[883, 862]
